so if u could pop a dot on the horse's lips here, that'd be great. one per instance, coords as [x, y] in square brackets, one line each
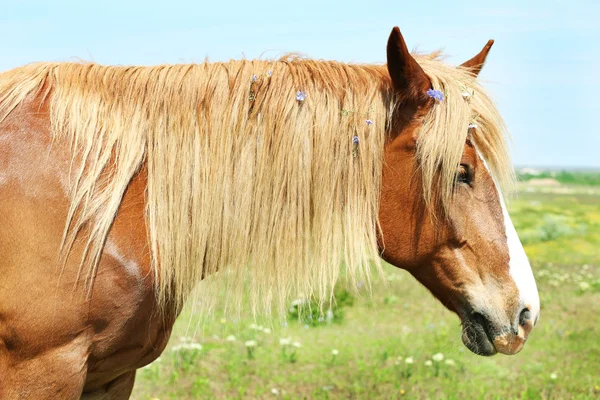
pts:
[476, 339]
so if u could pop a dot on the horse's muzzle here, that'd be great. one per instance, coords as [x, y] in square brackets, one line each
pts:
[486, 335]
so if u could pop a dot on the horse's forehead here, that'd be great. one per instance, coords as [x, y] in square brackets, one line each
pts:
[470, 155]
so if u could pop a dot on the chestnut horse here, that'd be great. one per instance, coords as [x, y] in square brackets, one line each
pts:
[121, 188]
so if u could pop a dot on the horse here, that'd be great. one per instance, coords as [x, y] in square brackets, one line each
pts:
[122, 188]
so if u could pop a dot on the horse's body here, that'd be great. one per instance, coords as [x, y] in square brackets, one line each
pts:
[86, 296]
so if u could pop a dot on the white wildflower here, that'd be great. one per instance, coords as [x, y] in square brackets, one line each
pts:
[194, 346]
[450, 362]
[230, 338]
[428, 363]
[267, 331]
[187, 346]
[409, 360]
[553, 376]
[584, 285]
[335, 352]
[296, 344]
[438, 357]
[275, 391]
[285, 341]
[250, 343]
[329, 316]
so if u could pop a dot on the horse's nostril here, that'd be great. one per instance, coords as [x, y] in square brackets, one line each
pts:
[525, 316]
[481, 320]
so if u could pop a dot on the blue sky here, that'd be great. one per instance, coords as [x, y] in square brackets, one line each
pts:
[544, 69]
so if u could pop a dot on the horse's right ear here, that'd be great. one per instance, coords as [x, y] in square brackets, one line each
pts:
[408, 78]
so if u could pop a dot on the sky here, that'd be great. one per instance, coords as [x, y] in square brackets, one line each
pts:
[543, 70]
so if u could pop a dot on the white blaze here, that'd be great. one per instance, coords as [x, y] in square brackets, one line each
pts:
[520, 269]
[519, 266]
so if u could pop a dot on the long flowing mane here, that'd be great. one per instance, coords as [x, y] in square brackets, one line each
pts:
[245, 181]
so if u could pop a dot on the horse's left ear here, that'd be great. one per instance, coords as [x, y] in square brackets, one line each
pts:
[408, 77]
[476, 63]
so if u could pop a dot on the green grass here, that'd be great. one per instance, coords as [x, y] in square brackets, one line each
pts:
[561, 228]
[561, 232]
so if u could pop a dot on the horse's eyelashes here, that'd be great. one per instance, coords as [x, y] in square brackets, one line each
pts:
[464, 174]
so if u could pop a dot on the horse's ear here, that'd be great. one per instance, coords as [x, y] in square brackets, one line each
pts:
[408, 77]
[476, 63]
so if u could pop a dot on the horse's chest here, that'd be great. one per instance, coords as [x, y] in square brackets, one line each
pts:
[47, 318]
[127, 330]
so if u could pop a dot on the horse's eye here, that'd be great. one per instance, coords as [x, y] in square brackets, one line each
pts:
[464, 174]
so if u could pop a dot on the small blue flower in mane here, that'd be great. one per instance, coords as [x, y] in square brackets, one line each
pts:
[355, 140]
[254, 78]
[300, 96]
[472, 125]
[270, 73]
[435, 94]
[369, 122]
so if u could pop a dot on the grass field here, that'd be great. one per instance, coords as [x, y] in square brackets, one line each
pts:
[401, 343]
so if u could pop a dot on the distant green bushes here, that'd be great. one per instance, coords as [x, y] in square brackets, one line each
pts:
[588, 178]
[551, 227]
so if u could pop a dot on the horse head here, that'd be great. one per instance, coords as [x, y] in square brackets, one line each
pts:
[442, 214]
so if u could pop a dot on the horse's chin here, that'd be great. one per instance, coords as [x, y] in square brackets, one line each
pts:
[476, 339]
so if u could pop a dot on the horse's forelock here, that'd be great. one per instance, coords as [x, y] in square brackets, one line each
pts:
[441, 140]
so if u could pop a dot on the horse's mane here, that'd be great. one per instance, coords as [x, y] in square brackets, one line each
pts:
[243, 178]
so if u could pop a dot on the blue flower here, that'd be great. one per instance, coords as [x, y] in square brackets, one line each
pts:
[270, 73]
[300, 96]
[254, 78]
[435, 94]
[369, 122]
[355, 140]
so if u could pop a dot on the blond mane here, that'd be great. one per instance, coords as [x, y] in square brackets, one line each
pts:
[245, 182]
